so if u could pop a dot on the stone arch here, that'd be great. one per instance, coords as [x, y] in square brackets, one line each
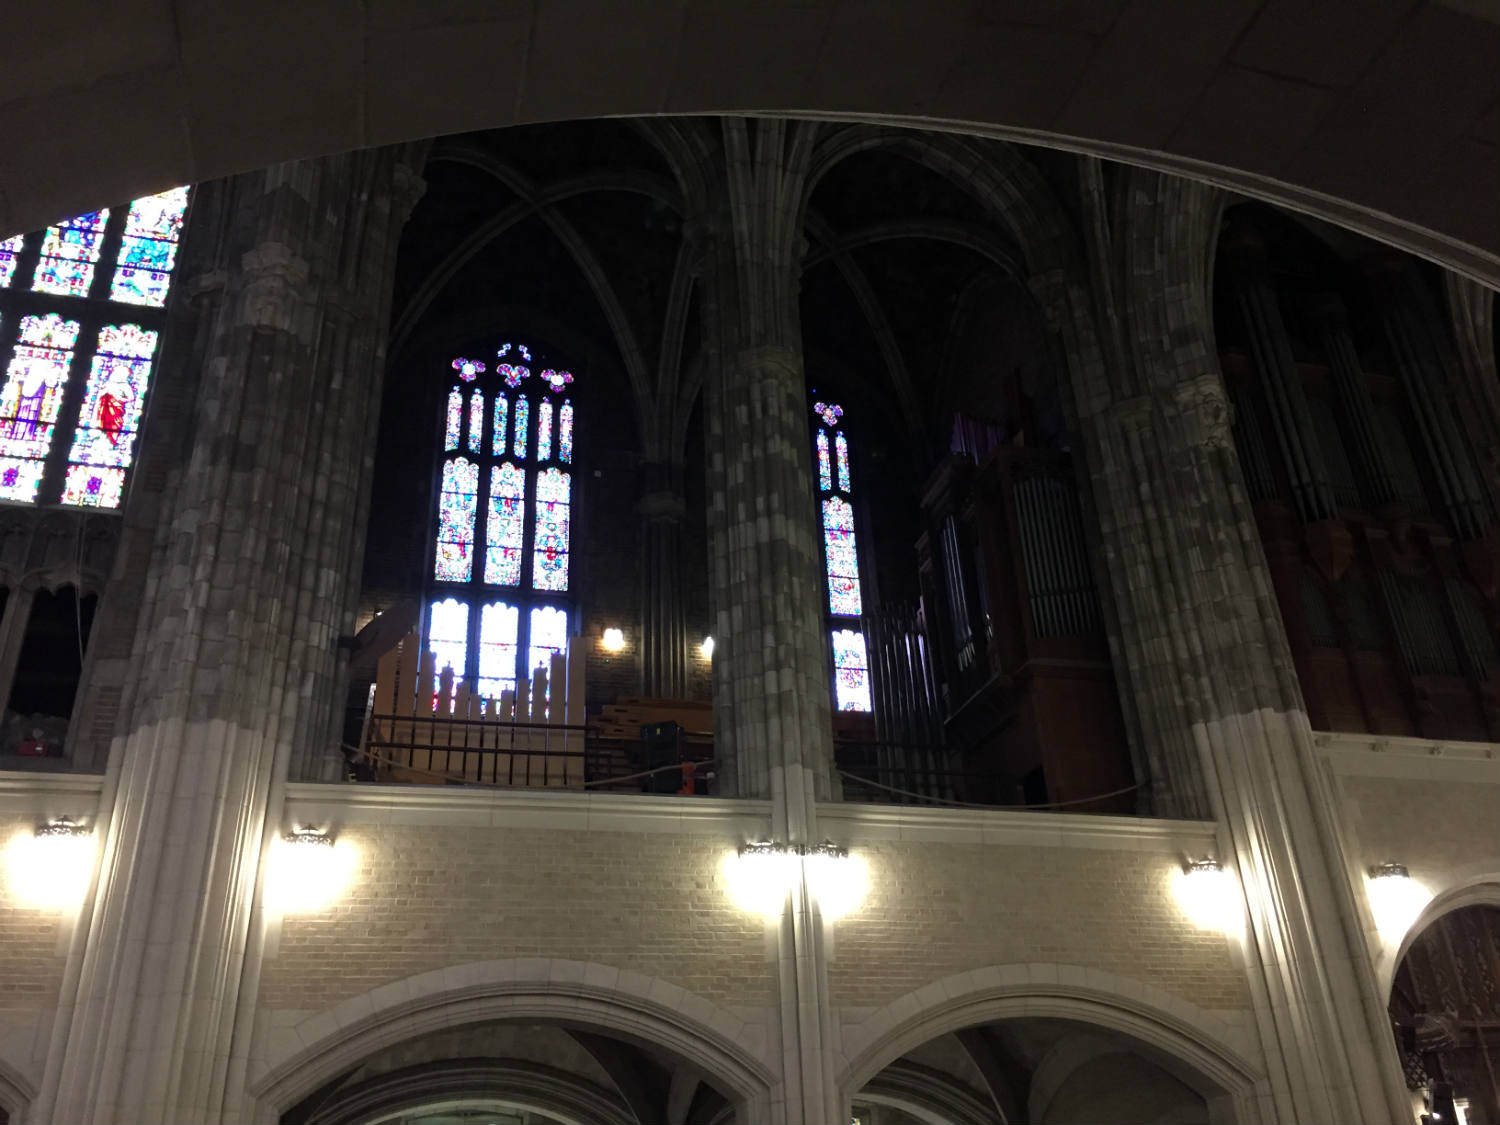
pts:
[630, 1004]
[1196, 1045]
[1474, 885]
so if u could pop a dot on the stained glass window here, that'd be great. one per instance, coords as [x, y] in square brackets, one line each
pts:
[565, 432]
[70, 251]
[148, 248]
[455, 419]
[499, 633]
[30, 401]
[90, 406]
[457, 505]
[549, 563]
[851, 680]
[515, 498]
[851, 671]
[544, 431]
[497, 434]
[476, 421]
[505, 525]
[10, 250]
[448, 640]
[104, 437]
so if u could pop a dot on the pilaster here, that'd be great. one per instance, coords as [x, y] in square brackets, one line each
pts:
[235, 659]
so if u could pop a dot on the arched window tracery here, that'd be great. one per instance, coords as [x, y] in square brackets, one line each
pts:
[81, 312]
[501, 542]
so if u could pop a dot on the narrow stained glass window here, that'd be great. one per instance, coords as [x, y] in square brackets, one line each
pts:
[448, 641]
[104, 438]
[460, 498]
[10, 250]
[148, 249]
[843, 564]
[505, 525]
[841, 447]
[549, 560]
[455, 419]
[544, 431]
[30, 401]
[523, 415]
[825, 470]
[498, 630]
[497, 433]
[70, 251]
[565, 433]
[549, 635]
[851, 671]
[476, 422]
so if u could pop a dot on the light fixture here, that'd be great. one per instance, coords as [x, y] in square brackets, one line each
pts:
[309, 869]
[613, 640]
[49, 867]
[707, 648]
[763, 872]
[1207, 894]
[1396, 899]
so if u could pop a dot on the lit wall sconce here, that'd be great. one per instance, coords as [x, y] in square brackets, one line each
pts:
[764, 872]
[1209, 896]
[613, 640]
[309, 870]
[49, 868]
[707, 648]
[1396, 899]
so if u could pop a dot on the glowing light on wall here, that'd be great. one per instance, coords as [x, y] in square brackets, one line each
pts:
[309, 871]
[1396, 899]
[49, 868]
[761, 875]
[1210, 897]
[613, 640]
[707, 648]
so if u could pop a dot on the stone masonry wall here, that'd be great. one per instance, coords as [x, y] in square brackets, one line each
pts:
[1436, 828]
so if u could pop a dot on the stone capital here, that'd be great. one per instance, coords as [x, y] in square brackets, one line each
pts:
[1206, 411]
[276, 278]
[663, 506]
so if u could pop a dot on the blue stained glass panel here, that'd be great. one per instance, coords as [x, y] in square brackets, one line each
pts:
[497, 432]
[498, 628]
[565, 433]
[456, 510]
[455, 419]
[110, 416]
[30, 401]
[148, 249]
[70, 251]
[476, 421]
[10, 250]
[505, 525]
[851, 671]
[825, 470]
[549, 559]
[841, 447]
[549, 635]
[448, 641]
[523, 415]
[544, 431]
[841, 557]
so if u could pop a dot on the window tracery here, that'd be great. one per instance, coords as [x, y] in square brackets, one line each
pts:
[851, 672]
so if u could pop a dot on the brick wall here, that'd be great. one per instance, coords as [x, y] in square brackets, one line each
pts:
[1434, 827]
[31, 953]
[428, 897]
[937, 909]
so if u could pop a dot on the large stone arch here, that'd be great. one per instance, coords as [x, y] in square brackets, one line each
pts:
[1476, 884]
[628, 1004]
[1198, 1046]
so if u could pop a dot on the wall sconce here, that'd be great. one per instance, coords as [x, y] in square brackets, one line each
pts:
[1396, 899]
[49, 868]
[613, 640]
[707, 648]
[309, 870]
[1209, 897]
[764, 872]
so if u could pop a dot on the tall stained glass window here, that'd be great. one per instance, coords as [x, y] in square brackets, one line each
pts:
[81, 313]
[851, 670]
[510, 491]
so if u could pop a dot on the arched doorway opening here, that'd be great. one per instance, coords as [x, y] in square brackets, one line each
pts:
[1445, 1012]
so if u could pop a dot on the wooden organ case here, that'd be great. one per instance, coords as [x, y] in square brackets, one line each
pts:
[1022, 657]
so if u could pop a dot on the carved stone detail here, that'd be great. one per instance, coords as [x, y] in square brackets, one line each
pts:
[1206, 411]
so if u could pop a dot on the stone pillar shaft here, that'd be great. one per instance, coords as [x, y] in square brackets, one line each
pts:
[664, 620]
[235, 656]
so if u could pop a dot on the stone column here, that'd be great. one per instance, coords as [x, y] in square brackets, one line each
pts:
[235, 655]
[664, 624]
[1208, 655]
[1296, 436]
[772, 732]
[1421, 354]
